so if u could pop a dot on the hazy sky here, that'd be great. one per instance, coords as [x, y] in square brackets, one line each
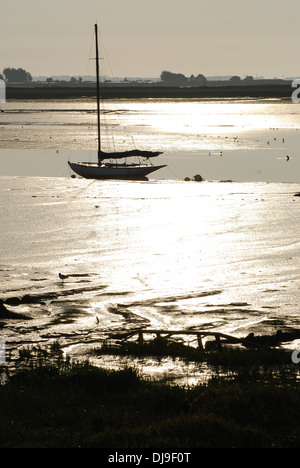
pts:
[143, 38]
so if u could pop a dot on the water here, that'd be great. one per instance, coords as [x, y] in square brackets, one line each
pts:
[243, 140]
[164, 253]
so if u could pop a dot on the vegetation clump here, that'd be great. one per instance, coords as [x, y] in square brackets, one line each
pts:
[229, 356]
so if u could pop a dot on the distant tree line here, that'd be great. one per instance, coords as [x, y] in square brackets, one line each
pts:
[170, 77]
[179, 78]
[19, 75]
[238, 78]
[73, 79]
[15, 75]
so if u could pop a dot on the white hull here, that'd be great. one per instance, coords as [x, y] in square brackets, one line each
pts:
[112, 171]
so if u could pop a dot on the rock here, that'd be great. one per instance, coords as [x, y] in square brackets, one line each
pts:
[198, 178]
[6, 314]
[13, 301]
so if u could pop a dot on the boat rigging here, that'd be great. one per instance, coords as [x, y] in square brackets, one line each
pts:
[115, 170]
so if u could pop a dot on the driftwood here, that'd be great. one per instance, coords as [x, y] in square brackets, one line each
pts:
[250, 341]
[276, 339]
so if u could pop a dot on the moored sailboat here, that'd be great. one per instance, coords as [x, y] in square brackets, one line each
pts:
[107, 166]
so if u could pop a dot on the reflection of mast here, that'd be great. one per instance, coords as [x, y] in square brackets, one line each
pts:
[98, 93]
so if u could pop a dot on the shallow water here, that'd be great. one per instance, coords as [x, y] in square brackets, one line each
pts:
[164, 253]
[242, 140]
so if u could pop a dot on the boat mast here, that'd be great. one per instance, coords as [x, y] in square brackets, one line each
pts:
[98, 94]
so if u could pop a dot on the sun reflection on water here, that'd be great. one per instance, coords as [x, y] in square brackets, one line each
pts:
[167, 253]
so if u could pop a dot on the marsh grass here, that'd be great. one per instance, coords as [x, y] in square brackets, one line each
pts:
[52, 402]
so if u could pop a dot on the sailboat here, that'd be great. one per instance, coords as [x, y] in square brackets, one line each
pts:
[108, 165]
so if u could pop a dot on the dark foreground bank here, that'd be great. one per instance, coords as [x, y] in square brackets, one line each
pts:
[154, 92]
[53, 403]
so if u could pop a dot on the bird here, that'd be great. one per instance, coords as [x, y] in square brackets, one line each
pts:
[62, 277]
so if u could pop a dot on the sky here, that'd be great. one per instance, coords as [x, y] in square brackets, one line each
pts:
[141, 38]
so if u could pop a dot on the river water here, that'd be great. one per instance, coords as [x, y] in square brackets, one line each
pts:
[167, 253]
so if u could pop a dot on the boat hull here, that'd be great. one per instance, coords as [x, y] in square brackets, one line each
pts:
[112, 171]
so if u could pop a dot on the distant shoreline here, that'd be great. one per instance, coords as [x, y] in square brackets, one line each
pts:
[142, 92]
